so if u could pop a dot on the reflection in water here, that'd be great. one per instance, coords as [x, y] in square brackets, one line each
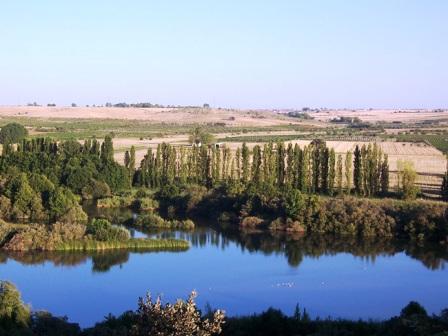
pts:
[293, 247]
[296, 247]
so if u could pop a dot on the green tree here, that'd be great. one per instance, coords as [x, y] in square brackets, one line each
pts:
[256, 165]
[199, 136]
[385, 176]
[331, 171]
[245, 170]
[357, 171]
[13, 312]
[406, 180]
[107, 149]
[12, 133]
[348, 172]
[339, 182]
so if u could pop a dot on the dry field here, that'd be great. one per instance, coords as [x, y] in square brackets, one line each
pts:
[230, 117]
[374, 115]
[428, 161]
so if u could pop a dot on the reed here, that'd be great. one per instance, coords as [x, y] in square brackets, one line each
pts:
[131, 244]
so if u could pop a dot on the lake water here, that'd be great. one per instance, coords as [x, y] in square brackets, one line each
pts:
[241, 274]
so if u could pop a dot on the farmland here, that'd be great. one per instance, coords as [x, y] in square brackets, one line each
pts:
[147, 127]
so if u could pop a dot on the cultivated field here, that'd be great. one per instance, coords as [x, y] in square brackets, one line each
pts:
[229, 117]
[147, 127]
[382, 115]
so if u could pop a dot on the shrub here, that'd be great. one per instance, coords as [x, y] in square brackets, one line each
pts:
[181, 318]
[95, 189]
[155, 221]
[250, 222]
[146, 204]
[103, 230]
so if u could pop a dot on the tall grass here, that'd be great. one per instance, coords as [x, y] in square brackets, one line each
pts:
[131, 244]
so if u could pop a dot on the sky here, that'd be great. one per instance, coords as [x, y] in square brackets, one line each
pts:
[233, 53]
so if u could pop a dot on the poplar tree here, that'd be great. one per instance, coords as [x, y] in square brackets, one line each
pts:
[107, 149]
[127, 159]
[132, 160]
[245, 163]
[256, 165]
[357, 171]
[281, 153]
[331, 171]
[385, 176]
[324, 171]
[348, 172]
[290, 166]
[316, 169]
[339, 185]
[238, 164]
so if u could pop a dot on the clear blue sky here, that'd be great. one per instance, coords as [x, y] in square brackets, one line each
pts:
[233, 53]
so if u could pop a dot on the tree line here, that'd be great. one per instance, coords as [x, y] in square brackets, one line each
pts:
[311, 169]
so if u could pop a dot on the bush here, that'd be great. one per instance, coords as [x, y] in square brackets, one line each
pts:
[146, 204]
[156, 222]
[103, 230]
[250, 222]
[116, 202]
[95, 189]
[43, 237]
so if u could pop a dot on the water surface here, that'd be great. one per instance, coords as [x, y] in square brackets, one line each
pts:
[240, 273]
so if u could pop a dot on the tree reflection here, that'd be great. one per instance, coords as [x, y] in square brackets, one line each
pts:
[293, 247]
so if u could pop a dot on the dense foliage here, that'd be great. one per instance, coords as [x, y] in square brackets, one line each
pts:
[311, 169]
[12, 133]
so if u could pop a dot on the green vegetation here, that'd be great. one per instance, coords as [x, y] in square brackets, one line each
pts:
[310, 169]
[14, 314]
[200, 136]
[135, 199]
[131, 244]
[183, 318]
[12, 133]
[406, 180]
[153, 221]
[97, 235]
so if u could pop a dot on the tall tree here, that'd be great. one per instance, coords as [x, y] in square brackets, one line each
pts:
[245, 163]
[339, 181]
[256, 165]
[357, 171]
[348, 172]
[331, 171]
[107, 149]
[385, 176]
